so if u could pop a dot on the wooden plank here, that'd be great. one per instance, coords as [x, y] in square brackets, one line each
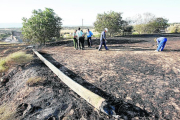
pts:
[89, 96]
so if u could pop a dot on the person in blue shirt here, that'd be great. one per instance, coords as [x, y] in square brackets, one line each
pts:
[103, 39]
[89, 34]
[161, 42]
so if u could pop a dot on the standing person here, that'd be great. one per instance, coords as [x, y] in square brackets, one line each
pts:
[161, 42]
[80, 35]
[103, 39]
[89, 34]
[82, 41]
[75, 40]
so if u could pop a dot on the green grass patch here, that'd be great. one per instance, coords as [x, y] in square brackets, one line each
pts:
[135, 33]
[2, 64]
[14, 59]
[35, 81]
[4, 43]
[7, 112]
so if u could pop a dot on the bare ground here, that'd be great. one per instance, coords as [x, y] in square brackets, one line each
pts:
[130, 71]
[139, 82]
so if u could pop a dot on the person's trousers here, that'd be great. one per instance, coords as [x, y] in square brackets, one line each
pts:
[103, 42]
[75, 43]
[81, 42]
[162, 44]
[89, 41]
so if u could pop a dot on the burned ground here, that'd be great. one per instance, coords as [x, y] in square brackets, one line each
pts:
[6, 49]
[139, 82]
[131, 71]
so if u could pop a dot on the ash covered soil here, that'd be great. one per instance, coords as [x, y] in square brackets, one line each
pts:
[130, 71]
[139, 82]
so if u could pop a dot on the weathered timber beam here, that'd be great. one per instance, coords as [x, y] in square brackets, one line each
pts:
[92, 98]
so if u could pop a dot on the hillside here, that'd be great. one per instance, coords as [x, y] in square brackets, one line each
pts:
[139, 82]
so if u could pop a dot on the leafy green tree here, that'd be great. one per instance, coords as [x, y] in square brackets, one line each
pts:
[141, 21]
[111, 20]
[148, 23]
[157, 24]
[41, 27]
[139, 28]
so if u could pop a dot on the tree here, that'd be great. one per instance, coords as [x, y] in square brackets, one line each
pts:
[111, 20]
[42, 26]
[148, 23]
[139, 28]
[159, 24]
[142, 21]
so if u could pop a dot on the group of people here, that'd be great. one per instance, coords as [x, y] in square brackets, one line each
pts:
[79, 40]
[79, 36]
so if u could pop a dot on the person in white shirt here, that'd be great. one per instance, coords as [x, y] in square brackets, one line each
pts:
[80, 36]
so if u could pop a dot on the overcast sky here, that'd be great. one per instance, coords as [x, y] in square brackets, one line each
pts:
[73, 11]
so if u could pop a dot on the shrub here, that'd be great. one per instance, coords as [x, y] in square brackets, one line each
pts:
[135, 33]
[173, 29]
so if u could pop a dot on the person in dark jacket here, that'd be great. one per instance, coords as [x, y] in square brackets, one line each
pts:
[103, 39]
[75, 40]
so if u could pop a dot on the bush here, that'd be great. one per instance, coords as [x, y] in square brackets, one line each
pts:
[135, 33]
[173, 29]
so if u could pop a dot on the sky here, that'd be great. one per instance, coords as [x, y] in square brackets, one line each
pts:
[73, 11]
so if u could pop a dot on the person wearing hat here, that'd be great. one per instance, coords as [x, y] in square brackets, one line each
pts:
[103, 39]
[161, 42]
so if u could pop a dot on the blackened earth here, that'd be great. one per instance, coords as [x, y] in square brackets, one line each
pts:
[139, 82]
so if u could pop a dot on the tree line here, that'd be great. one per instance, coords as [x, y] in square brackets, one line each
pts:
[45, 25]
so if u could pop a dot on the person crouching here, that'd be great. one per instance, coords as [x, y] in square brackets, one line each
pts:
[161, 42]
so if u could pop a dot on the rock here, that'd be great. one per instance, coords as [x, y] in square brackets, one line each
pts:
[28, 110]
[21, 108]
[4, 79]
[51, 118]
[82, 118]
